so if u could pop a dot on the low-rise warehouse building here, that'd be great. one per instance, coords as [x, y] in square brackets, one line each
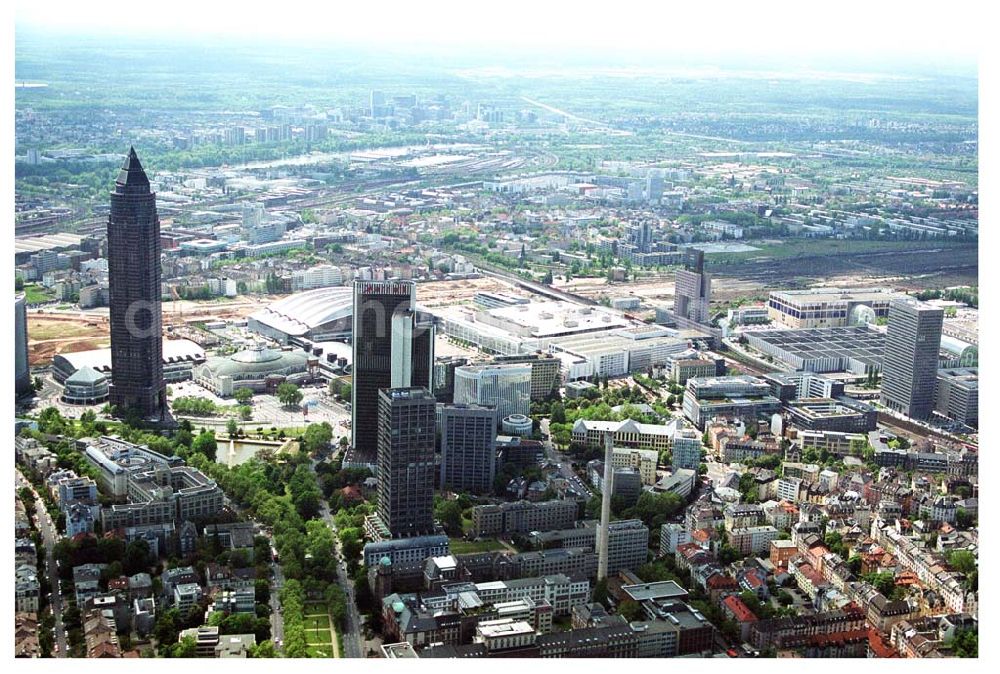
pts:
[856, 349]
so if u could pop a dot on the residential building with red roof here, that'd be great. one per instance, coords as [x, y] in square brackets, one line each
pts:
[734, 607]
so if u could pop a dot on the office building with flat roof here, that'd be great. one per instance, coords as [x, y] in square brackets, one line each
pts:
[913, 343]
[401, 650]
[574, 562]
[844, 415]
[406, 550]
[393, 348]
[625, 485]
[468, 448]
[672, 534]
[834, 442]
[856, 349]
[505, 387]
[686, 449]
[522, 517]
[682, 369]
[22, 372]
[643, 460]
[406, 436]
[693, 289]
[738, 396]
[545, 370]
[791, 385]
[505, 634]
[444, 376]
[165, 494]
[628, 541]
[829, 307]
[115, 460]
[958, 395]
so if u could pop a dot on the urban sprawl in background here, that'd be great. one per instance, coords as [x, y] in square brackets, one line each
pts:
[321, 357]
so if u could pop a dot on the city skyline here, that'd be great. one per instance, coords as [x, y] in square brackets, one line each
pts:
[517, 331]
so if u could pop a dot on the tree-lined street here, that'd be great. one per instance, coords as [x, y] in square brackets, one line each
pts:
[50, 536]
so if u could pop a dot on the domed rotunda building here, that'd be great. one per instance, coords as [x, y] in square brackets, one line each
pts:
[259, 368]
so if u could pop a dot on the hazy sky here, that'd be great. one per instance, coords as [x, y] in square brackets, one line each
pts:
[854, 29]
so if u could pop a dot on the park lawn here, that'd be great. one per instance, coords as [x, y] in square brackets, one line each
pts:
[268, 435]
[316, 622]
[459, 546]
[318, 637]
[36, 294]
[320, 651]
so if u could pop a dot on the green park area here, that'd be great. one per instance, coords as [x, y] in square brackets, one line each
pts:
[36, 294]
[316, 622]
[461, 546]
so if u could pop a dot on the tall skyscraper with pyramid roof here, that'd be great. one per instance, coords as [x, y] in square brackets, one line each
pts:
[134, 275]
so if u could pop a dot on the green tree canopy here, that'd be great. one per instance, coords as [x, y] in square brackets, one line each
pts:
[205, 444]
[449, 513]
[962, 561]
[289, 394]
[631, 610]
[265, 649]
[884, 582]
[138, 557]
[965, 644]
[317, 437]
[185, 648]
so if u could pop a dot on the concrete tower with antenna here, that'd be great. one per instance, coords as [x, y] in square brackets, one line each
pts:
[602, 532]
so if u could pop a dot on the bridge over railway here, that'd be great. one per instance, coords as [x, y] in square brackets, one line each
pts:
[532, 286]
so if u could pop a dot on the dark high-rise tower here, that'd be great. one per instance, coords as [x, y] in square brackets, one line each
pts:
[406, 429]
[393, 348]
[912, 353]
[468, 448]
[22, 371]
[134, 279]
[692, 289]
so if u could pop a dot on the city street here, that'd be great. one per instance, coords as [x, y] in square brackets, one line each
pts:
[277, 582]
[351, 636]
[277, 620]
[48, 396]
[565, 462]
[49, 539]
[350, 641]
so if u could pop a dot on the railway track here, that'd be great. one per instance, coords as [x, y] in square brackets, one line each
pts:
[891, 422]
[537, 288]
